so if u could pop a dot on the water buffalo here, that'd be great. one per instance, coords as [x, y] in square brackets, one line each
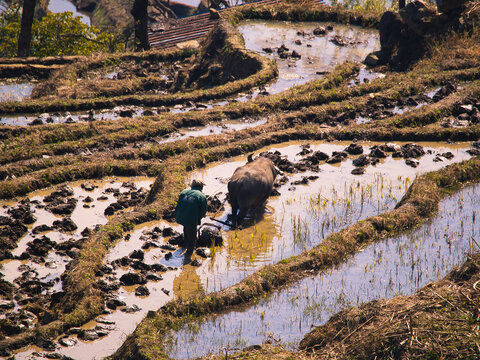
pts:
[250, 186]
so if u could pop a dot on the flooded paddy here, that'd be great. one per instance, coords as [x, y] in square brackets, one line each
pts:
[308, 208]
[298, 219]
[397, 266]
[15, 92]
[211, 129]
[339, 44]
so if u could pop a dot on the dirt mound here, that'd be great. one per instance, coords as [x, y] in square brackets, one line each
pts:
[221, 59]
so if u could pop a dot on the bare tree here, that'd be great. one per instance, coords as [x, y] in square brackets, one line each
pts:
[140, 16]
[25, 36]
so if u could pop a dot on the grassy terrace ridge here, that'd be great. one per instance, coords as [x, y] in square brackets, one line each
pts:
[439, 321]
[418, 205]
[69, 75]
[41, 172]
[304, 10]
[267, 71]
[64, 138]
[59, 139]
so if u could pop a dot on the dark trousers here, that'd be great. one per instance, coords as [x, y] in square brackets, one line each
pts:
[190, 236]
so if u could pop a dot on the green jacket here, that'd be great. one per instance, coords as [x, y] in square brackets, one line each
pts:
[191, 207]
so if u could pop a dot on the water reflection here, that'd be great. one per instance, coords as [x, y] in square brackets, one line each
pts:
[57, 6]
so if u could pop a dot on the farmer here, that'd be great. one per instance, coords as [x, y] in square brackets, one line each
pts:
[191, 208]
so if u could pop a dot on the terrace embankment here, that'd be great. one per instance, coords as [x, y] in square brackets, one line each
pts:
[136, 79]
[438, 321]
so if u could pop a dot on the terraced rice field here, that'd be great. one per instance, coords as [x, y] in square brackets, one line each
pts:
[377, 195]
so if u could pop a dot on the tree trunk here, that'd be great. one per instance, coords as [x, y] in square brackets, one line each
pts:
[140, 16]
[26, 28]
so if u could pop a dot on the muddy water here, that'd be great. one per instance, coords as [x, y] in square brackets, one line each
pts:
[57, 6]
[15, 92]
[83, 217]
[397, 266]
[305, 214]
[318, 53]
[212, 129]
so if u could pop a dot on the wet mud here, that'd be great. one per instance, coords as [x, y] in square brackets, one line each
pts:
[61, 219]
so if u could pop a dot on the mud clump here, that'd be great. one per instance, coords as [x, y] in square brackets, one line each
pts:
[132, 278]
[210, 236]
[126, 200]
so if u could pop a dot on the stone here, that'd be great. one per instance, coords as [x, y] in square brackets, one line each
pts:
[412, 162]
[67, 341]
[377, 153]
[159, 267]
[88, 335]
[210, 236]
[390, 147]
[196, 263]
[361, 161]
[6, 305]
[35, 122]
[153, 277]
[41, 228]
[474, 152]
[114, 303]
[295, 55]
[321, 30]
[130, 309]
[204, 252]
[334, 159]
[66, 224]
[137, 254]
[412, 150]
[168, 231]
[447, 155]
[282, 49]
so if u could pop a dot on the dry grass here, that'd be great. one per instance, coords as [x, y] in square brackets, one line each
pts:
[439, 321]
